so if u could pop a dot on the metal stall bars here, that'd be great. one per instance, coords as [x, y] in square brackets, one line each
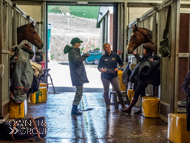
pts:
[11, 17]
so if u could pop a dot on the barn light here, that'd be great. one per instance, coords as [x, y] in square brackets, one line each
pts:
[82, 2]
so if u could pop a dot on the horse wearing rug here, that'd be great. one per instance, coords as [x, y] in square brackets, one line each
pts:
[21, 69]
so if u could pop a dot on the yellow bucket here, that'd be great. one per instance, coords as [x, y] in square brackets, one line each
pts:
[16, 110]
[122, 85]
[39, 96]
[43, 85]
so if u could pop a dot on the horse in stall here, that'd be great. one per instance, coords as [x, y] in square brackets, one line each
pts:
[139, 36]
[28, 32]
[22, 75]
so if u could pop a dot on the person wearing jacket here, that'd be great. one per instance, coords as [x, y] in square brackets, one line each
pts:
[140, 85]
[146, 55]
[108, 68]
[77, 71]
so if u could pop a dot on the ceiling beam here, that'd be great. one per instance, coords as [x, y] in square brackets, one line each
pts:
[93, 1]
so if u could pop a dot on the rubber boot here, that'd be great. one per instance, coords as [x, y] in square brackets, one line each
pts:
[107, 107]
[128, 110]
[75, 111]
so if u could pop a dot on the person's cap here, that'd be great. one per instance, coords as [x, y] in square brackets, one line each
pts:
[75, 40]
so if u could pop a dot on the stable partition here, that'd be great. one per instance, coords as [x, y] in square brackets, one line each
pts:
[167, 64]
[11, 17]
[172, 74]
[148, 21]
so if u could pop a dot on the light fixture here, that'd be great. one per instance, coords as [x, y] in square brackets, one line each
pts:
[82, 2]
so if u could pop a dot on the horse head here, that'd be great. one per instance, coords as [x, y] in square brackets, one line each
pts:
[28, 32]
[138, 36]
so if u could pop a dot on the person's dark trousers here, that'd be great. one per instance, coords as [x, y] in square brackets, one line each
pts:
[136, 87]
[139, 90]
[77, 99]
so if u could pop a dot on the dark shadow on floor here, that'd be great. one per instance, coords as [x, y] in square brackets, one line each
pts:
[72, 89]
[64, 64]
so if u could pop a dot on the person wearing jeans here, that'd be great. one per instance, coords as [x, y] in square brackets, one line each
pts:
[77, 71]
[108, 68]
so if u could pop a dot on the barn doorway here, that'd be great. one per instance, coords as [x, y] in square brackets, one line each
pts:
[66, 22]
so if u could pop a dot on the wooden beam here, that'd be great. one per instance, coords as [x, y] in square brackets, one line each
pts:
[132, 4]
[1, 47]
[94, 1]
[125, 31]
[149, 13]
[177, 34]
[14, 33]
[115, 29]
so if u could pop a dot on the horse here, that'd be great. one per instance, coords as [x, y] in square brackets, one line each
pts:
[138, 36]
[28, 32]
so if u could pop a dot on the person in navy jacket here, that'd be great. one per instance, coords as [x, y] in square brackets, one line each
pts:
[108, 66]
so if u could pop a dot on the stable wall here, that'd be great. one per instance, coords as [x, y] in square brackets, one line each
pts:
[11, 17]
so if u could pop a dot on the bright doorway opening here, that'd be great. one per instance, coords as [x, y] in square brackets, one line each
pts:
[65, 23]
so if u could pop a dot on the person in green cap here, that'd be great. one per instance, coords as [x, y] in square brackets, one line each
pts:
[77, 71]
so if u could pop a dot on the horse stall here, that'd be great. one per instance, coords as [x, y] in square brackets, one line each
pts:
[171, 74]
[183, 52]
[11, 17]
[148, 21]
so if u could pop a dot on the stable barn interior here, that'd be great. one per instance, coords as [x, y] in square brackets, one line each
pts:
[173, 68]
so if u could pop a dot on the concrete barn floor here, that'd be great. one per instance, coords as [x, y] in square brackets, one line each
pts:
[94, 126]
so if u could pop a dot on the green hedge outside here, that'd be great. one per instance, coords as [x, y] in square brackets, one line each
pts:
[79, 11]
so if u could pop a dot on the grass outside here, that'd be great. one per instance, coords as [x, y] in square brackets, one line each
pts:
[80, 11]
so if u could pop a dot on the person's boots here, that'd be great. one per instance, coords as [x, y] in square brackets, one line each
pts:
[75, 111]
[128, 110]
[107, 107]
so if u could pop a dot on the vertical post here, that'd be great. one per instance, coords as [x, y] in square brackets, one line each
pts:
[14, 35]
[154, 39]
[115, 27]
[121, 40]
[10, 29]
[189, 47]
[105, 29]
[119, 27]
[177, 31]
[1, 47]
[174, 54]
[125, 31]
[44, 28]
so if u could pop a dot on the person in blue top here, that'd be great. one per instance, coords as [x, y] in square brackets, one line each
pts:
[108, 68]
